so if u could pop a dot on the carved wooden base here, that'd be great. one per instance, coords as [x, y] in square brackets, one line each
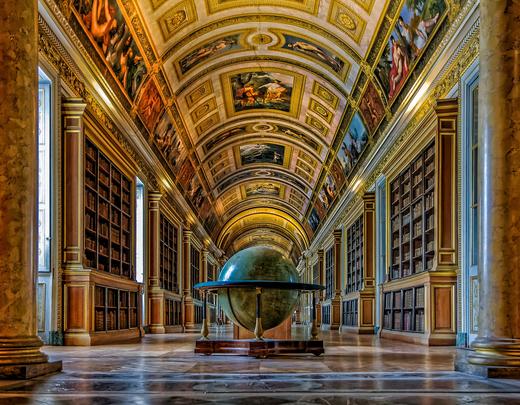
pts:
[259, 348]
[26, 371]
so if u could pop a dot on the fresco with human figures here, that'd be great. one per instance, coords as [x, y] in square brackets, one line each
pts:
[371, 107]
[262, 190]
[150, 104]
[208, 51]
[167, 140]
[314, 219]
[353, 144]
[259, 90]
[110, 34]
[410, 36]
[328, 193]
[314, 51]
[262, 153]
[260, 173]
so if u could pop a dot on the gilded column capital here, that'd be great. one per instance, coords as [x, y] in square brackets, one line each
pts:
[73, 106]
[338, 233]
[154, 198]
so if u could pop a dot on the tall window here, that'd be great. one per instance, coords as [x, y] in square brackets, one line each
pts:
[139, 223]
[44, 174]
[329, 272]
[474, 179]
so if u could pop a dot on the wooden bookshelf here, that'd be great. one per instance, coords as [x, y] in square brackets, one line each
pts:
[114, 309]
[329, 273]
[404, 310]
[350, 313]
[358, 301]
[412, 211]
[354, 256]
[169, 266]
[172, 312]
[195, 271]
[108, 215]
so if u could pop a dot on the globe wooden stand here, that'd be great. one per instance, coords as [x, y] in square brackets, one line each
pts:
[258, 347]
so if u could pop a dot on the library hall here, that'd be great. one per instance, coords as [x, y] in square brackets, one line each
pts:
[260, 202]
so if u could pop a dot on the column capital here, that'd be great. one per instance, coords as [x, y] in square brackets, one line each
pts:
[321, 253]
[73, 106]
[337, 236]
[154, 198]
[186, 235]
[154, 195]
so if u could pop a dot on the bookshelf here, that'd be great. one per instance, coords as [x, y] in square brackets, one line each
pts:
[108, 215]
[329, 273]
[412, 234]
[195, 271]
[172, 312]
[355, 256]
[114, 309]
[404, 310]
[350, 313]
[169, 269]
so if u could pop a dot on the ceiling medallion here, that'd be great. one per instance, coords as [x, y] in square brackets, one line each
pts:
[261, 39]
[262, 173]
[262, 127]
[347, 21]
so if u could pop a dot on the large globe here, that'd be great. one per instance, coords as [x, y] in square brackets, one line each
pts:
[258, 263]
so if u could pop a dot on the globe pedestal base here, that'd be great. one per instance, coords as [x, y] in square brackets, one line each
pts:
[259, 348]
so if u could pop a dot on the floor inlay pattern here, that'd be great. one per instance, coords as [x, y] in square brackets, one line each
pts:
[164, 370]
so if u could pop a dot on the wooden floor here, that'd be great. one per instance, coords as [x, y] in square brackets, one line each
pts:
[164, 369]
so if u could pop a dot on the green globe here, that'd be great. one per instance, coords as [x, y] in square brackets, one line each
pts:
[258, 263]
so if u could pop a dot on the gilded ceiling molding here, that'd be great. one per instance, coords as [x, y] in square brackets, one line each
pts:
[309, 6]
[256, 19]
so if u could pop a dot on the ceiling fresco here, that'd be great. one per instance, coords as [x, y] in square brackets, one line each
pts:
[261, 107]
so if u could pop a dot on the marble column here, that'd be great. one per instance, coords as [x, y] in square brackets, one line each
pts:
[498, 342]
[20, 355]
[155, 293]
[335, 305]
[189, 307]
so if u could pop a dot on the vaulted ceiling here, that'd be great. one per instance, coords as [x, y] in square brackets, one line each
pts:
[249, 102]
[262, 87]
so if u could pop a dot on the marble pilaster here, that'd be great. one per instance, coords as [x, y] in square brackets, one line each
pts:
[20, 355]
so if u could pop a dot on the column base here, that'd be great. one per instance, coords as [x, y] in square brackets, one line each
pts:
[157, 329]
[27, 371]
[463, 363]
